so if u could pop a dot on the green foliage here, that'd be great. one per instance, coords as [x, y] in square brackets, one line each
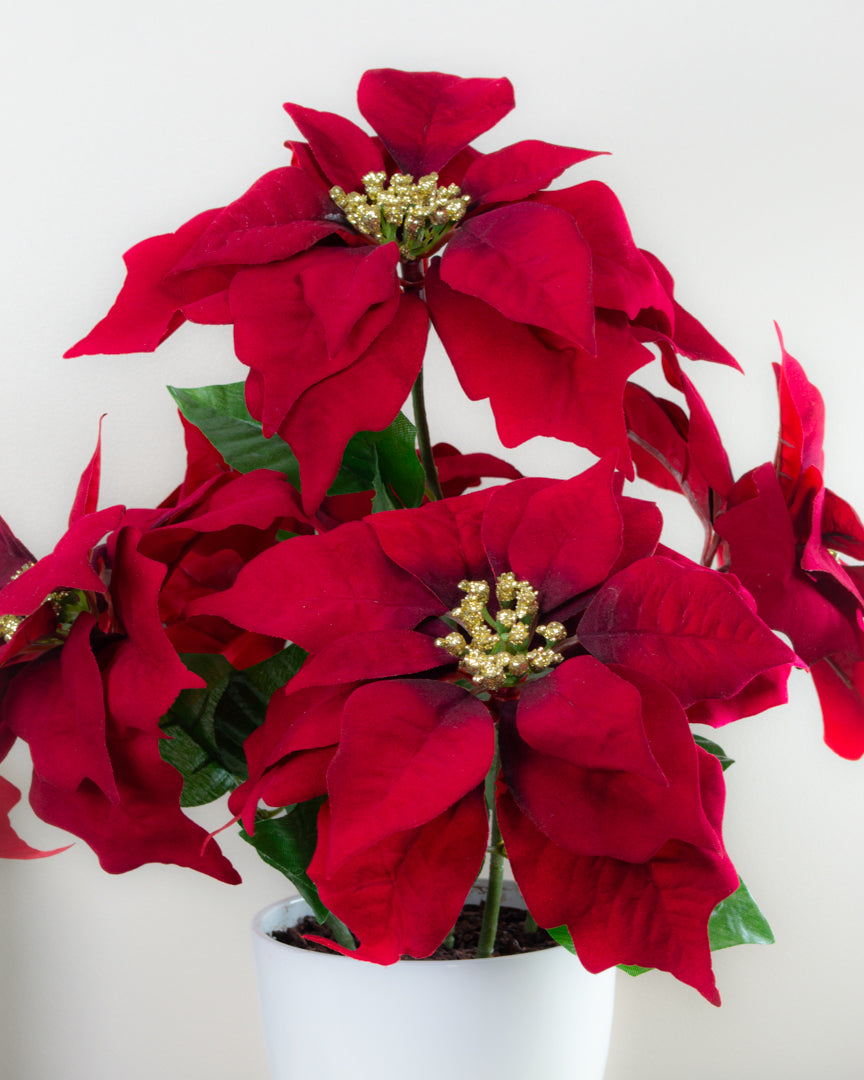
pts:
[737, 920]
[220, 413]
[287, 843]
[714, 749]
[381, 461]
[207, 727]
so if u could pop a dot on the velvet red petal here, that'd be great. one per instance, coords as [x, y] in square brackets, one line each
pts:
[802, 424]
[365, 396]
[409, 749]
[457, 471]
[602, 811]
[146, 311]
[652, 914]
[438, 543]
[144, 674]
[68, 566]
[516, 171]
[282, 213]
[370, 654]
[687, 627]
[764, 556]
[536, 387]
[86, 498]
[282, 338]
[569, 536]
[403, 895]
[343, 151]
[503, 515]
[839, 681]
[586, 715]
[317, 589]
[623, 278]
[11, 844]
[689, 336]
[146, 825]
[13, 554]
[530, 263]
[425, 118]
[56, 706]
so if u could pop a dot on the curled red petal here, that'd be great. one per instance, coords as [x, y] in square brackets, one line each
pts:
[687, 627]
[317, 589]
[516, 171]
[146, 310]
[425, 118]
[343, 151]
[284, 212]
[529, 262]
[409, 749]
[402, 896]
[11, 844]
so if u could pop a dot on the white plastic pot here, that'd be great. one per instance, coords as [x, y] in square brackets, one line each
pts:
[535, 1016]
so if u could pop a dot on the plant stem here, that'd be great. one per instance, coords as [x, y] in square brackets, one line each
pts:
[424, 443]
[341, 932]
[492, 907]
[413, 279]
[531, 926]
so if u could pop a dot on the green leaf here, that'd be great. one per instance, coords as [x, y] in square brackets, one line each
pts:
[287, 843]
[633, 969]
[562, 935]
[220, 413]
[243, 705]
[385, 462]
[192, 747]
[737, 920]
[714, 749]
[398, 463]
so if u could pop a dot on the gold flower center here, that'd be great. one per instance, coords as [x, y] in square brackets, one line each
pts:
[496, 650]
[416, 216]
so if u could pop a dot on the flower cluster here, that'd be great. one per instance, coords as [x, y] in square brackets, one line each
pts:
[394, 678]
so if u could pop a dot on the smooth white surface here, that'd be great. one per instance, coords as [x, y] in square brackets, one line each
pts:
[330, 1017]
[736, 132]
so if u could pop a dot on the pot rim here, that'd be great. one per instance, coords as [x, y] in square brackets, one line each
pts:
[511, 896]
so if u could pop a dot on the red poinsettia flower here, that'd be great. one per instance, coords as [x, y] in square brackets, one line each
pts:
[542, 608]
[89, 669]
[541, 298]
[778, 529]
[204, 532]
[783, 528]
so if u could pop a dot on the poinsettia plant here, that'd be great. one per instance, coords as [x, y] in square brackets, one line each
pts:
[393, 679]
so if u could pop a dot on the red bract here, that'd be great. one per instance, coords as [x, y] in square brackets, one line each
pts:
[89, 668]
[782, 528]
[213, 524]
[584, 661]
[778, 529]
[542, 299]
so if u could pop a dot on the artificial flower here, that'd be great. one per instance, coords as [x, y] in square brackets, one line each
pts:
[90, 659]
[330, 268]
[543, 609]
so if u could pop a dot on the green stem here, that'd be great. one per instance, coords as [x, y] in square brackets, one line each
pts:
[424, 443]
[492, 907]
[413, 277]
[341, 932]
[531, 926]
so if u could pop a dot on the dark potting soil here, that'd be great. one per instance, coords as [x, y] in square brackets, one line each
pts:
[512, 936]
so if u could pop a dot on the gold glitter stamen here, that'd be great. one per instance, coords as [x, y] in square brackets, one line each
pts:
[416, 216]
[10, 623]
[496, 653]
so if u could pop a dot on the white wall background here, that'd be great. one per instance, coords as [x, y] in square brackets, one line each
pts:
[736, 130]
